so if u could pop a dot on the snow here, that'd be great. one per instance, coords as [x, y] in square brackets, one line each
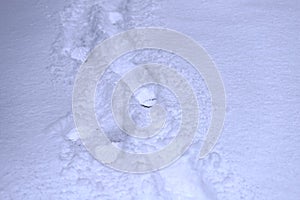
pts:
[255, 46]
[146, 96]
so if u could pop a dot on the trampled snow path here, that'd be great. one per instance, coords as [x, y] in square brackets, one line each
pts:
[255, 46]
[189, 178]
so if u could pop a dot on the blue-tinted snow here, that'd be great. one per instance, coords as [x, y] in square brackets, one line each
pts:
[255, 45]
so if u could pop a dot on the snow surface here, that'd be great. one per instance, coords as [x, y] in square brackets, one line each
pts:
[255, 45]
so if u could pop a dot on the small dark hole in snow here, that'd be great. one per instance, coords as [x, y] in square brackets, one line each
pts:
[146, 106]
[148, 103]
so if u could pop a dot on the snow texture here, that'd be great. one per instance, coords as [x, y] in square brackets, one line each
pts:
[255, 45]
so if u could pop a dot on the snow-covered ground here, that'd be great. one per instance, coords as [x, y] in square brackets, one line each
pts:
[255, 46]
